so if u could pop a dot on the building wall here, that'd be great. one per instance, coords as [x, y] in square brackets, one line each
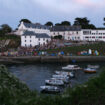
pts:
[27, 41]
[22, 28]
[68, 35]
[93, 35]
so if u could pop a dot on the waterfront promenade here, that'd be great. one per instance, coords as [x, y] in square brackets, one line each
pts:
[51, 59]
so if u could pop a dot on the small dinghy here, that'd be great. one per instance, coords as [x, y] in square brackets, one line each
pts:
[50, 89]
[90, 70]
[54, 82]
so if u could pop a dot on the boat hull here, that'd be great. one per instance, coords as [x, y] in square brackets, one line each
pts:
[86, 71]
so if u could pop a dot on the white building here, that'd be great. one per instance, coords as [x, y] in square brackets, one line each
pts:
[36, 34]
[67, 32]
[75, 33]
[37, 28]
[93, 35]
[32, 39]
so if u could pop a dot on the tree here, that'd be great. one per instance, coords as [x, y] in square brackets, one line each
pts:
[91, 26]
[65, 23]
[84, 23]
[57, 24]
[49, 24]
[25, 21]
[5, 28]
[58, 37]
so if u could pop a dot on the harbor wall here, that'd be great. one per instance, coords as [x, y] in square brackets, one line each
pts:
[51, 59]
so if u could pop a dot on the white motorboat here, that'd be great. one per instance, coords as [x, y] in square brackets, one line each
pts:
[54, 82]
[63, 79]
[71, 67]
[71, 74]
[50, 89]
[90, 70]
[61, 76]
[93, 66]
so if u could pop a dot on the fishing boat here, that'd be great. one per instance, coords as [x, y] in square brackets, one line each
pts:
[54, 82]
[50, 89]
[93, 66]
[71, 67]
[90, 70]
[71, 74]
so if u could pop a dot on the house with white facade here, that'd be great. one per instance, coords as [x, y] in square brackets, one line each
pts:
[93, 34]
[37, 28]
[32, 39]
[33, 34]
[67, 32]
[37, 34]
[75, 33]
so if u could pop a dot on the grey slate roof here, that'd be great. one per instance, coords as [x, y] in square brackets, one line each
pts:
[38, 26]
[66, 28]
[38, 35]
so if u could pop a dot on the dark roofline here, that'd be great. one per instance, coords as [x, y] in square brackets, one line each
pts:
[65, 28]
[39, 26]
[38, 35]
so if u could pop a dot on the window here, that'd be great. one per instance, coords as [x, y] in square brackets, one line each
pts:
[30, 40]
[25, 45]
[25, 36]
[39, 39]
[86, 32]
[30, 36]
[25, 40]
[100, 36]
[43, 39]
[30, 45]
[87, 37]
[47, 40]
[77, 32]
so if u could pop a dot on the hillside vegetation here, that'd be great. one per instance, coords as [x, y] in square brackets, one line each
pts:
[99, 46]
[9, 41]
[13, 92]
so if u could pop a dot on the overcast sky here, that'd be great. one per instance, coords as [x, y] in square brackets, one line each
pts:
[12, 11]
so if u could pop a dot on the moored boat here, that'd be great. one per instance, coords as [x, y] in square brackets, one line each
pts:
[61, 76]
[71, 74]
[71, 67]
[66, 81]
[50, 89]
[54, 82]
[90, 70]
[93, 66]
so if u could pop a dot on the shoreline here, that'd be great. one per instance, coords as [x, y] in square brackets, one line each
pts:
[50, 59]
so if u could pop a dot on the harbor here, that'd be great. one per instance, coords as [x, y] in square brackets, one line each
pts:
[34, 75]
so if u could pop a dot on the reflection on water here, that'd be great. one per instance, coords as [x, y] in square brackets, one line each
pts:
[35, 75]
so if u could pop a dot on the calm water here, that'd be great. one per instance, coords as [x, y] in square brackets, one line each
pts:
[35, 75]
